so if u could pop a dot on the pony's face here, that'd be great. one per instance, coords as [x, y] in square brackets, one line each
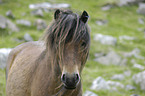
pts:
[73, 63]
[69, 40]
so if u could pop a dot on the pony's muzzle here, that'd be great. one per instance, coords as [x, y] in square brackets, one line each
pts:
[70, 81]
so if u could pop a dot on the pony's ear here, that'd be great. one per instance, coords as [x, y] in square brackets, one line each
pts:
[84, 17]
[56, 14]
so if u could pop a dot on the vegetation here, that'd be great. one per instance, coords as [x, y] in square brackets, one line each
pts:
[121, 21]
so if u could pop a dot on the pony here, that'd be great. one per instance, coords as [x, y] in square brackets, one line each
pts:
[53, 65]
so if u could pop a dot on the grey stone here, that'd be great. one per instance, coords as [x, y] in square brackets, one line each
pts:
[124, 2]
[118, 77]
[24, 22]
[4, 52]
[127, 73]
[23, 14]
[133, 61]
[130, 87]
[140, 29]
[141, 9]
[135, 65]
[101, 22]
[128, 2]
[121, 3]
[89, 93]
[99, 55]
[37, 12]
[124, 37]
[10, 14]
[1, 1]
[138, 66]
[40, 24]
[105, 39]
[107, 7]
[5, 23]
[135, 52]
[134, 95]
[12, 26]
[114, 84]
[141, 21]
[111, 58]
[27, 37]
[139, 79]
[48, 6]
[101, 84]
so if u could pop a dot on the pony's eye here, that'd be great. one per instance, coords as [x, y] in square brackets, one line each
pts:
[83, 44]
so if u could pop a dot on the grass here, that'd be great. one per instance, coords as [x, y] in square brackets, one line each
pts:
[2, 83]
[121, 21]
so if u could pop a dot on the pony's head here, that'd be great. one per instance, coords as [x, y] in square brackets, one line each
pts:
[68, 40]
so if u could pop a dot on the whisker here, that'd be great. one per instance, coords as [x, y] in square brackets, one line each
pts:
[59, 86]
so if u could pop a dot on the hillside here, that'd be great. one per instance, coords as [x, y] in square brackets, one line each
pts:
[117, 41]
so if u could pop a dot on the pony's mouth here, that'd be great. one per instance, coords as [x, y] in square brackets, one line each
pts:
[70, 88]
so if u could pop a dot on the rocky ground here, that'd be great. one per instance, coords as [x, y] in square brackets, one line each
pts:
[116, 64]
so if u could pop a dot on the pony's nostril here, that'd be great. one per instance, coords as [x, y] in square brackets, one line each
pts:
[77, 77]
[63, 77]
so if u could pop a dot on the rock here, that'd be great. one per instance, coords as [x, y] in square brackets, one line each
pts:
[124, 37]
[12, 26]
[115, 85]
[128, 2]
[99, 55]
[121, 3]
[133, 61]
[111, 58]
[5, 23]
[37, 12]
[10, 14]
[139, 79]
[101, 22]
[107, 6]
[140, 29]
[24, 22]
[141, 21]
[141, 9]
[138, 66]
[23, 14]
[130, 87]
[4, 52]
[118, 77]
[135, 52]
[127, 73]
[124, 2]
[1, 1]
[40, 24]
[105, 39]
[101, 84]
[47, 5]
[89, 93]
[27, 37]
[134, 95]
[135, 65]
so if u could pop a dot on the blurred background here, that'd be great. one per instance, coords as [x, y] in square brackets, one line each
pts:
[116, 64]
